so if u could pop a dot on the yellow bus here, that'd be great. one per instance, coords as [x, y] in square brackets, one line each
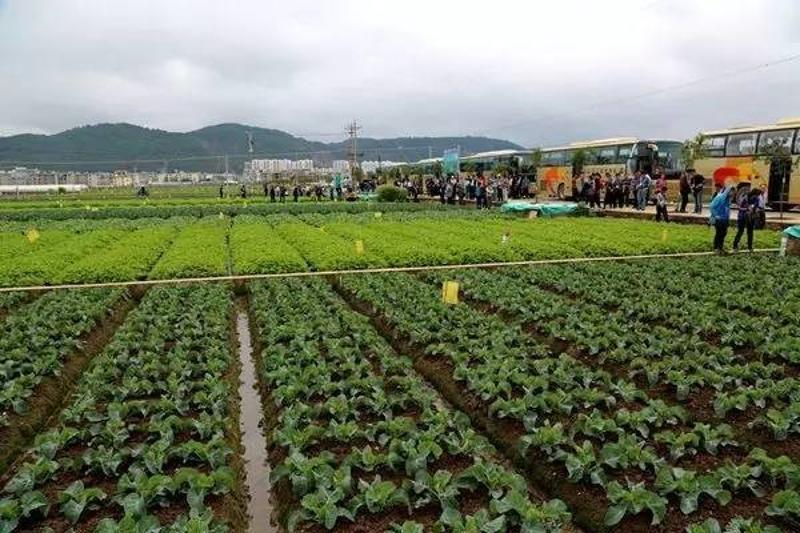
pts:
[738, 155]
[623, 155]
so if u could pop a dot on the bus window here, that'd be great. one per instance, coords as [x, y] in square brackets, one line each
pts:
[780, 138]
[797, 142]
[607, 155]
[715, 146]
[553, 159]
[741, 144]
[624, 154]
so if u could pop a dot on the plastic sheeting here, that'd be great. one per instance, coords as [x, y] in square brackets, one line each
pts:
[547, 210]
[792, 232]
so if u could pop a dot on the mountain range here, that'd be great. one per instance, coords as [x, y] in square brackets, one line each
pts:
[127, 146]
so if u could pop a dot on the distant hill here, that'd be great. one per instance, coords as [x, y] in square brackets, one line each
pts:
[125, 146]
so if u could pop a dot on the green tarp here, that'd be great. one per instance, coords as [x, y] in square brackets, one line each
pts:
[793, 232]
[547, 210]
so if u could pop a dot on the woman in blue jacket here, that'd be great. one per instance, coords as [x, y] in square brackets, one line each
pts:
[720, 217]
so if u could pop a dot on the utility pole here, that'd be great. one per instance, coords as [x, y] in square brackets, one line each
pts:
[226, 166]
[430, 152]
[352, 130]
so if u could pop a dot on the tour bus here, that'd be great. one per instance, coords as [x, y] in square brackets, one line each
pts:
[487, 162]
[740, 155]
[623, 155]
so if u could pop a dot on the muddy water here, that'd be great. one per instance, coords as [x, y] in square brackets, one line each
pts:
[255, 455]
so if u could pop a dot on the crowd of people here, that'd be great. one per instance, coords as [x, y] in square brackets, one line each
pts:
[484, 191]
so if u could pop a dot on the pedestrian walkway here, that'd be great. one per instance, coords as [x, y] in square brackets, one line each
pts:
[774, 220]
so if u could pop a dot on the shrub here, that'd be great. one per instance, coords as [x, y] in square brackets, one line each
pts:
[389, 193]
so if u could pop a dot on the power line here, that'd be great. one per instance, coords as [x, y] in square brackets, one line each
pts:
[647, 94]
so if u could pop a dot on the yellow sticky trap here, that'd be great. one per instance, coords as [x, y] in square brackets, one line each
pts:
[32, 235]
[359, 247]
[221, 216]
[378, 214]
[450, 292]
[663, 235]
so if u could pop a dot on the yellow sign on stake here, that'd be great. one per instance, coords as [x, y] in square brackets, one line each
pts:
[664, 236]
[359, 247]
[450, 292]
[32, 235]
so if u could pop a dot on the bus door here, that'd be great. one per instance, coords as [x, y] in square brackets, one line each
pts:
[780, 171]
[644, 157]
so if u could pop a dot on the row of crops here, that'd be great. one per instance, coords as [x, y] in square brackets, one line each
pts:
[84, 251]
[656, 395]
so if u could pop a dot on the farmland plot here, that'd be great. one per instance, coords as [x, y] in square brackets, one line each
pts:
[359, 443]
[149, 436]
[573, 406]
[42, 342]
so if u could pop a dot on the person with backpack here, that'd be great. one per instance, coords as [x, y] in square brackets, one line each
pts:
[720, 217]
[747, 215]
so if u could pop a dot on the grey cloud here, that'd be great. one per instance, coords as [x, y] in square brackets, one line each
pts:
[507, 69]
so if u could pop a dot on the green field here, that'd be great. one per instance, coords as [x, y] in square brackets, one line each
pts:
[656, 394]
[121, 249]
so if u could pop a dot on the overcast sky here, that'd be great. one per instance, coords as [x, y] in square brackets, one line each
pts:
[535, 72]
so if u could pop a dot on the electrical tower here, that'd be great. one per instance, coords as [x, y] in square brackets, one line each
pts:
[352, 130]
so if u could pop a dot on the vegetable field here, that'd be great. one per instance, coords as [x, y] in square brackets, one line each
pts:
[75, 250]
[657, 394]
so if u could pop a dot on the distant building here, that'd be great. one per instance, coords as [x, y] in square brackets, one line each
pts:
[341, 165]
[373, 166]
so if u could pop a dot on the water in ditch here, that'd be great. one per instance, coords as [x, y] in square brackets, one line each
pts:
[259, 506]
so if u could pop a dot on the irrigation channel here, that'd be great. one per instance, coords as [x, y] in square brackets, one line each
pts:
[259, 507]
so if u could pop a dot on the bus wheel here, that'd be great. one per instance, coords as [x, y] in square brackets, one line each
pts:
[560, 191]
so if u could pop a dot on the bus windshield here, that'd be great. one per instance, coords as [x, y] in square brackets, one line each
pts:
[669, 154]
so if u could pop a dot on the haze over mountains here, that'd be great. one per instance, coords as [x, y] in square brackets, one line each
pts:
[127, 146]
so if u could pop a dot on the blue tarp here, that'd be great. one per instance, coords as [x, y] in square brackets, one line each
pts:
[793, 232]
[547, 210]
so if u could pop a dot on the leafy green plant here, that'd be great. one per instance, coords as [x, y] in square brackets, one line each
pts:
[76, 498]
[632, 500]
[785, 503]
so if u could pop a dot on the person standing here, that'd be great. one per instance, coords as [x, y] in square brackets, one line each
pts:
[697, 183]
[627, 183]
[645, 184]
[641, 197]
[685, 188]
[747, 208]
[720, 218]
[221, 191]
[296, 193]
[661, 206]
[661, 183]
[243, 191]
